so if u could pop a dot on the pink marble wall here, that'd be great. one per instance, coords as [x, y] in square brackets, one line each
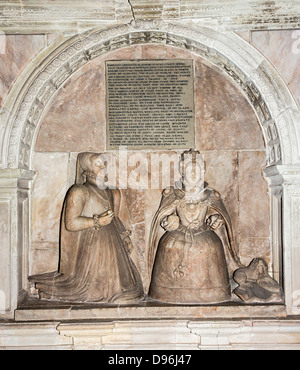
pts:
[282, 49]
[18, 51]
[227, 134]
[49, 190]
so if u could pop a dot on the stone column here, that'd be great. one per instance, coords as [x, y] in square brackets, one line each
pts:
[291, 236]
[275, 181]
[14, 237]
[285, 197]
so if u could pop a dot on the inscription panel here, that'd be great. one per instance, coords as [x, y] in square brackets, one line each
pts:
[150, 104]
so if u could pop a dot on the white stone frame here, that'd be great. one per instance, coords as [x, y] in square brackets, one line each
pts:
[274, 105]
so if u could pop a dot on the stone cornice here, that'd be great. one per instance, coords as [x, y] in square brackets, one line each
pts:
[47, 16]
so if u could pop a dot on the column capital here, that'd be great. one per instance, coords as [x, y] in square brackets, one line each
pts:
[283, 175]
[15, 178]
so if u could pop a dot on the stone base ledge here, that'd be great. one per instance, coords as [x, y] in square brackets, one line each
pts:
[147, 312]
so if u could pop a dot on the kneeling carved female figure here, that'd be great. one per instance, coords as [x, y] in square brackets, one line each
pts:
[95, 265]
[191, 264]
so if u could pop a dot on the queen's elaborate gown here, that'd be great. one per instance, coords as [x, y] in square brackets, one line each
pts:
[94, 265]
[191, 265]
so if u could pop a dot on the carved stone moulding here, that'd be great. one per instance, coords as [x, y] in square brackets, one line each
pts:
[231, 54]
[19, 17]
[73, 313]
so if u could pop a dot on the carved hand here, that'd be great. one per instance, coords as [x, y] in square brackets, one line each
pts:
[171, 223]
[215, 222]
[106, 219]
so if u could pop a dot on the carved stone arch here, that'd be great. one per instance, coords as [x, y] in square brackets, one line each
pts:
[266, 92]
[274, 105]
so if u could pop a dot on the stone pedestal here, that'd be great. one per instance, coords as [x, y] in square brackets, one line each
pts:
[155, 335]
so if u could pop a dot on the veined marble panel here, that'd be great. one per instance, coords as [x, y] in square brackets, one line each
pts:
[282, 48]
[16, 51]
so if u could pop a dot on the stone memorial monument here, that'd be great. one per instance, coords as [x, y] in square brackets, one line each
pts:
[149, 175]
